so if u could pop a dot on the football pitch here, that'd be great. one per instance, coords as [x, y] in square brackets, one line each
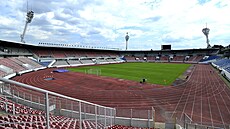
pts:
[155, 73]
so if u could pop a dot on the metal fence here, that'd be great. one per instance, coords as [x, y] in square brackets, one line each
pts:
[135, 117]
[53, 104]
[185, 122]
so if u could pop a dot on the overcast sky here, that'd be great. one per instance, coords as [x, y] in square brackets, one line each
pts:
[104, 23]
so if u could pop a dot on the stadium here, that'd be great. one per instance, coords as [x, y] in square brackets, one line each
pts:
[38, 85]
[53, 85]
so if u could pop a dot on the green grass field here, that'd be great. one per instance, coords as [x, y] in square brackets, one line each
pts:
[155, 73]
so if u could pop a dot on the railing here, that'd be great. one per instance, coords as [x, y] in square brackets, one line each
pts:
[135, 117]
[181, 120]
[54, 104]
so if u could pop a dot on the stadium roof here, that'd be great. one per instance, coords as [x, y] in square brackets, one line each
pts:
[8, 43]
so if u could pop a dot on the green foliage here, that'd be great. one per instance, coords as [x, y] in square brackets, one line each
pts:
[155, 73]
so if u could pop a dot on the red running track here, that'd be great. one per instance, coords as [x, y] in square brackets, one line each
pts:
[204, 97]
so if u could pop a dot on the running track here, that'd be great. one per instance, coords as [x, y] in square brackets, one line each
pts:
[204, 97]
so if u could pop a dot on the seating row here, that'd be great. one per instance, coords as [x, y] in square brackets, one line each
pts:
[126, 127]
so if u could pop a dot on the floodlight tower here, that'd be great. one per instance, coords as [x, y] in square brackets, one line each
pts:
[127, 39]
[206, 32]
[29, 17]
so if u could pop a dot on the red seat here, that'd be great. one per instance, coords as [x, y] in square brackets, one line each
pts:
[28, 124]
[41, 127]
[34, 125]
[13, 126]
[20, 127]
[57, 127]
[1, 118]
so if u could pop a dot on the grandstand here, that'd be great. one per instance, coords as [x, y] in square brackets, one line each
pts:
[30, 100]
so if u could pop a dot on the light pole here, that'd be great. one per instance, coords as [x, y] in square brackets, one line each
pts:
[206, 32]
[29, 17]
[127, 39]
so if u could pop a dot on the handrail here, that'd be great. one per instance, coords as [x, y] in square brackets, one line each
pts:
[49, 92]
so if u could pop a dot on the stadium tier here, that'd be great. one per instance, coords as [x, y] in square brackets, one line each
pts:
[33, 95]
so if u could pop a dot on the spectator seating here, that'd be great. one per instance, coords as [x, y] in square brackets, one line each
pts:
[129, 58]
[62, 54]
[60, 63]
[11, 64]
[9, 106]
[87, 61]
[2, 73]
[14, 50]
[118, 60]
[58, 54]
[228, 69]
[224, 66]
[151, 58]
[164, 58]
[29, 61]
[39, 122]
[111, 60]
[125, 127]
[195, 58]
[135, 58]
[91, 125]
[43, 53]
[102, 61]
[222, 63]
[74, 62]
[178, 58]
[28, 118]
[209, 58]
[71, 53]
[17, 64]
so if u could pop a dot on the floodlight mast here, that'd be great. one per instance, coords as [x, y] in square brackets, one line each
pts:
[206, 32]
[29, 17]
[126, 39]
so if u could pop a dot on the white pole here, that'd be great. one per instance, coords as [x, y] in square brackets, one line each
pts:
[105, 116]
[47, 111]
[96, 115]
[80, 120]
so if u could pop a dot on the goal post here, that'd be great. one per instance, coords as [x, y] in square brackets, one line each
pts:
[93, 71]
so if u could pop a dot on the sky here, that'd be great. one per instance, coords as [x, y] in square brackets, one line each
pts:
[104, 23]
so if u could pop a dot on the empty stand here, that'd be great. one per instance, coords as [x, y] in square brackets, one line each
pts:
[17, 64]
[27, 117]
[178, 58]
[43, 53]
[58, 54]
[11, 64]
[195, 59]
[125, 127]
[164, 58]
[29, 61]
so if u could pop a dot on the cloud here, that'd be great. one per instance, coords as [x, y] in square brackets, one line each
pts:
[40, 21]
[169, 39]
[203, 1]
[153, 19]
[150, 23]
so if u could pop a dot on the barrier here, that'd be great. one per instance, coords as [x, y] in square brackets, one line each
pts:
[59, 105]
[55, 104]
